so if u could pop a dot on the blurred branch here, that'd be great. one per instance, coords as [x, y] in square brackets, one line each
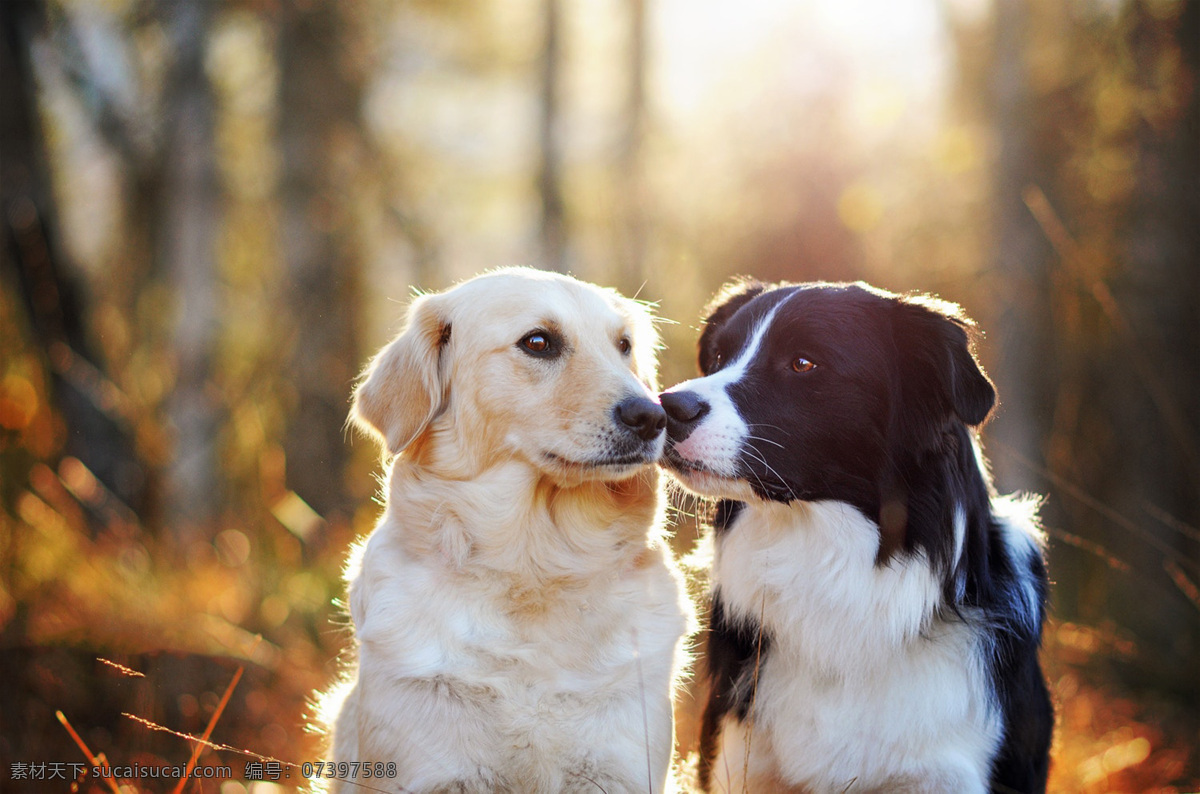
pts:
[1092, 547]
[1073, 261]
[1181, 580]
[1109, 558]
[1095, 504]
[1187, 530]
[1173, 561]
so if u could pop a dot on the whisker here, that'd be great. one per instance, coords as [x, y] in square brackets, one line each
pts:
[769, 441]
[767, 425]
[758, 457]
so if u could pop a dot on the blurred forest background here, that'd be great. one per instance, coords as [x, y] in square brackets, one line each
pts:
[211, 214]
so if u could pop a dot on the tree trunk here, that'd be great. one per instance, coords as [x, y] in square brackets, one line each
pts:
[631, 199]
[1022, 255]
[1159, 291]
[185, 248]
[32, 255]
[319, 106]
[553, 232]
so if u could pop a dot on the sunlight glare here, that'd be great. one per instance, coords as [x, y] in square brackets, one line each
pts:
[895, 52]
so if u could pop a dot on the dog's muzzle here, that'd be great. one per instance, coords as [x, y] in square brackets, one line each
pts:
[684, 410]
[641, 416]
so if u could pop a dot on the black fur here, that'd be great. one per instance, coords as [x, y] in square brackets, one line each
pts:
[732, 297]
[1023, 763]
[882, 423]
[726, 512]
[731, 653]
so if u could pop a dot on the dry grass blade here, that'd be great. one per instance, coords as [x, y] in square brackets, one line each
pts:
[154, 726]
[120, 668]
[637, 657]
[212, 723]
[94, 760]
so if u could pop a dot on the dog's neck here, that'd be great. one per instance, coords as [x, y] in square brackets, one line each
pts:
[511, 520]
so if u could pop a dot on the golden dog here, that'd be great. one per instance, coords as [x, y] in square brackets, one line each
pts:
[517, 614]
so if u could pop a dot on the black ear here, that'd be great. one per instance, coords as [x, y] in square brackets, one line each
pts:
[724, 305]
[971, 390]
[938, 368]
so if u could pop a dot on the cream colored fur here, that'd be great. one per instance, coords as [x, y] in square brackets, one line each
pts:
[518, 618]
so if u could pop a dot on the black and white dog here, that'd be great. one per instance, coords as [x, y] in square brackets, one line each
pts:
[876, 608]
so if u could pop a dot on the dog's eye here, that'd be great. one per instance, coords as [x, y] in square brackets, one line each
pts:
[539, 343]
[624, 345]
[802, 364]
[717, 361]
[536, 343]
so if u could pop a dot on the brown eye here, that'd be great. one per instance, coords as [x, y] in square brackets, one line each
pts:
[624, 345]
[802, 364]
[539, 343]
[536, 343]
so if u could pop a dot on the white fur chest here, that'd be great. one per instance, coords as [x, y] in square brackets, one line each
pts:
[862, 681]
[536, 686]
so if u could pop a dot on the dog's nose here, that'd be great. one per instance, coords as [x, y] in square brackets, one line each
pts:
[684, 409]
[642, 416]
[683, 406]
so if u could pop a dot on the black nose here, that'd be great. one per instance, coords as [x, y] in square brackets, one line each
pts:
[642, 416]
[683, 406]
[684, 409]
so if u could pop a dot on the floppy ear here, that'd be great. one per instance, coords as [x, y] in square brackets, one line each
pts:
[971, 391]
[403, 389]
[940, 371]
[724, 305]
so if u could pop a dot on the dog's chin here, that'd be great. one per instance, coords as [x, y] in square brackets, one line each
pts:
[703, 481]
[607, 468]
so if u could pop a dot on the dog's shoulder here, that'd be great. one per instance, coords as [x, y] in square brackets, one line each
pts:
[1019, 529]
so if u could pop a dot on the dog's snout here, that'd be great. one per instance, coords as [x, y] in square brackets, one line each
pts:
[684, 409]
[641, 415]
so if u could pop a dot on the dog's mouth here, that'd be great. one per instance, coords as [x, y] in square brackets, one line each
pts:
[744, 486]
[697, 477]
[690, 469]
[608, 462]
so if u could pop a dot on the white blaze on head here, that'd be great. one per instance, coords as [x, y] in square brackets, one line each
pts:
[715, 442]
